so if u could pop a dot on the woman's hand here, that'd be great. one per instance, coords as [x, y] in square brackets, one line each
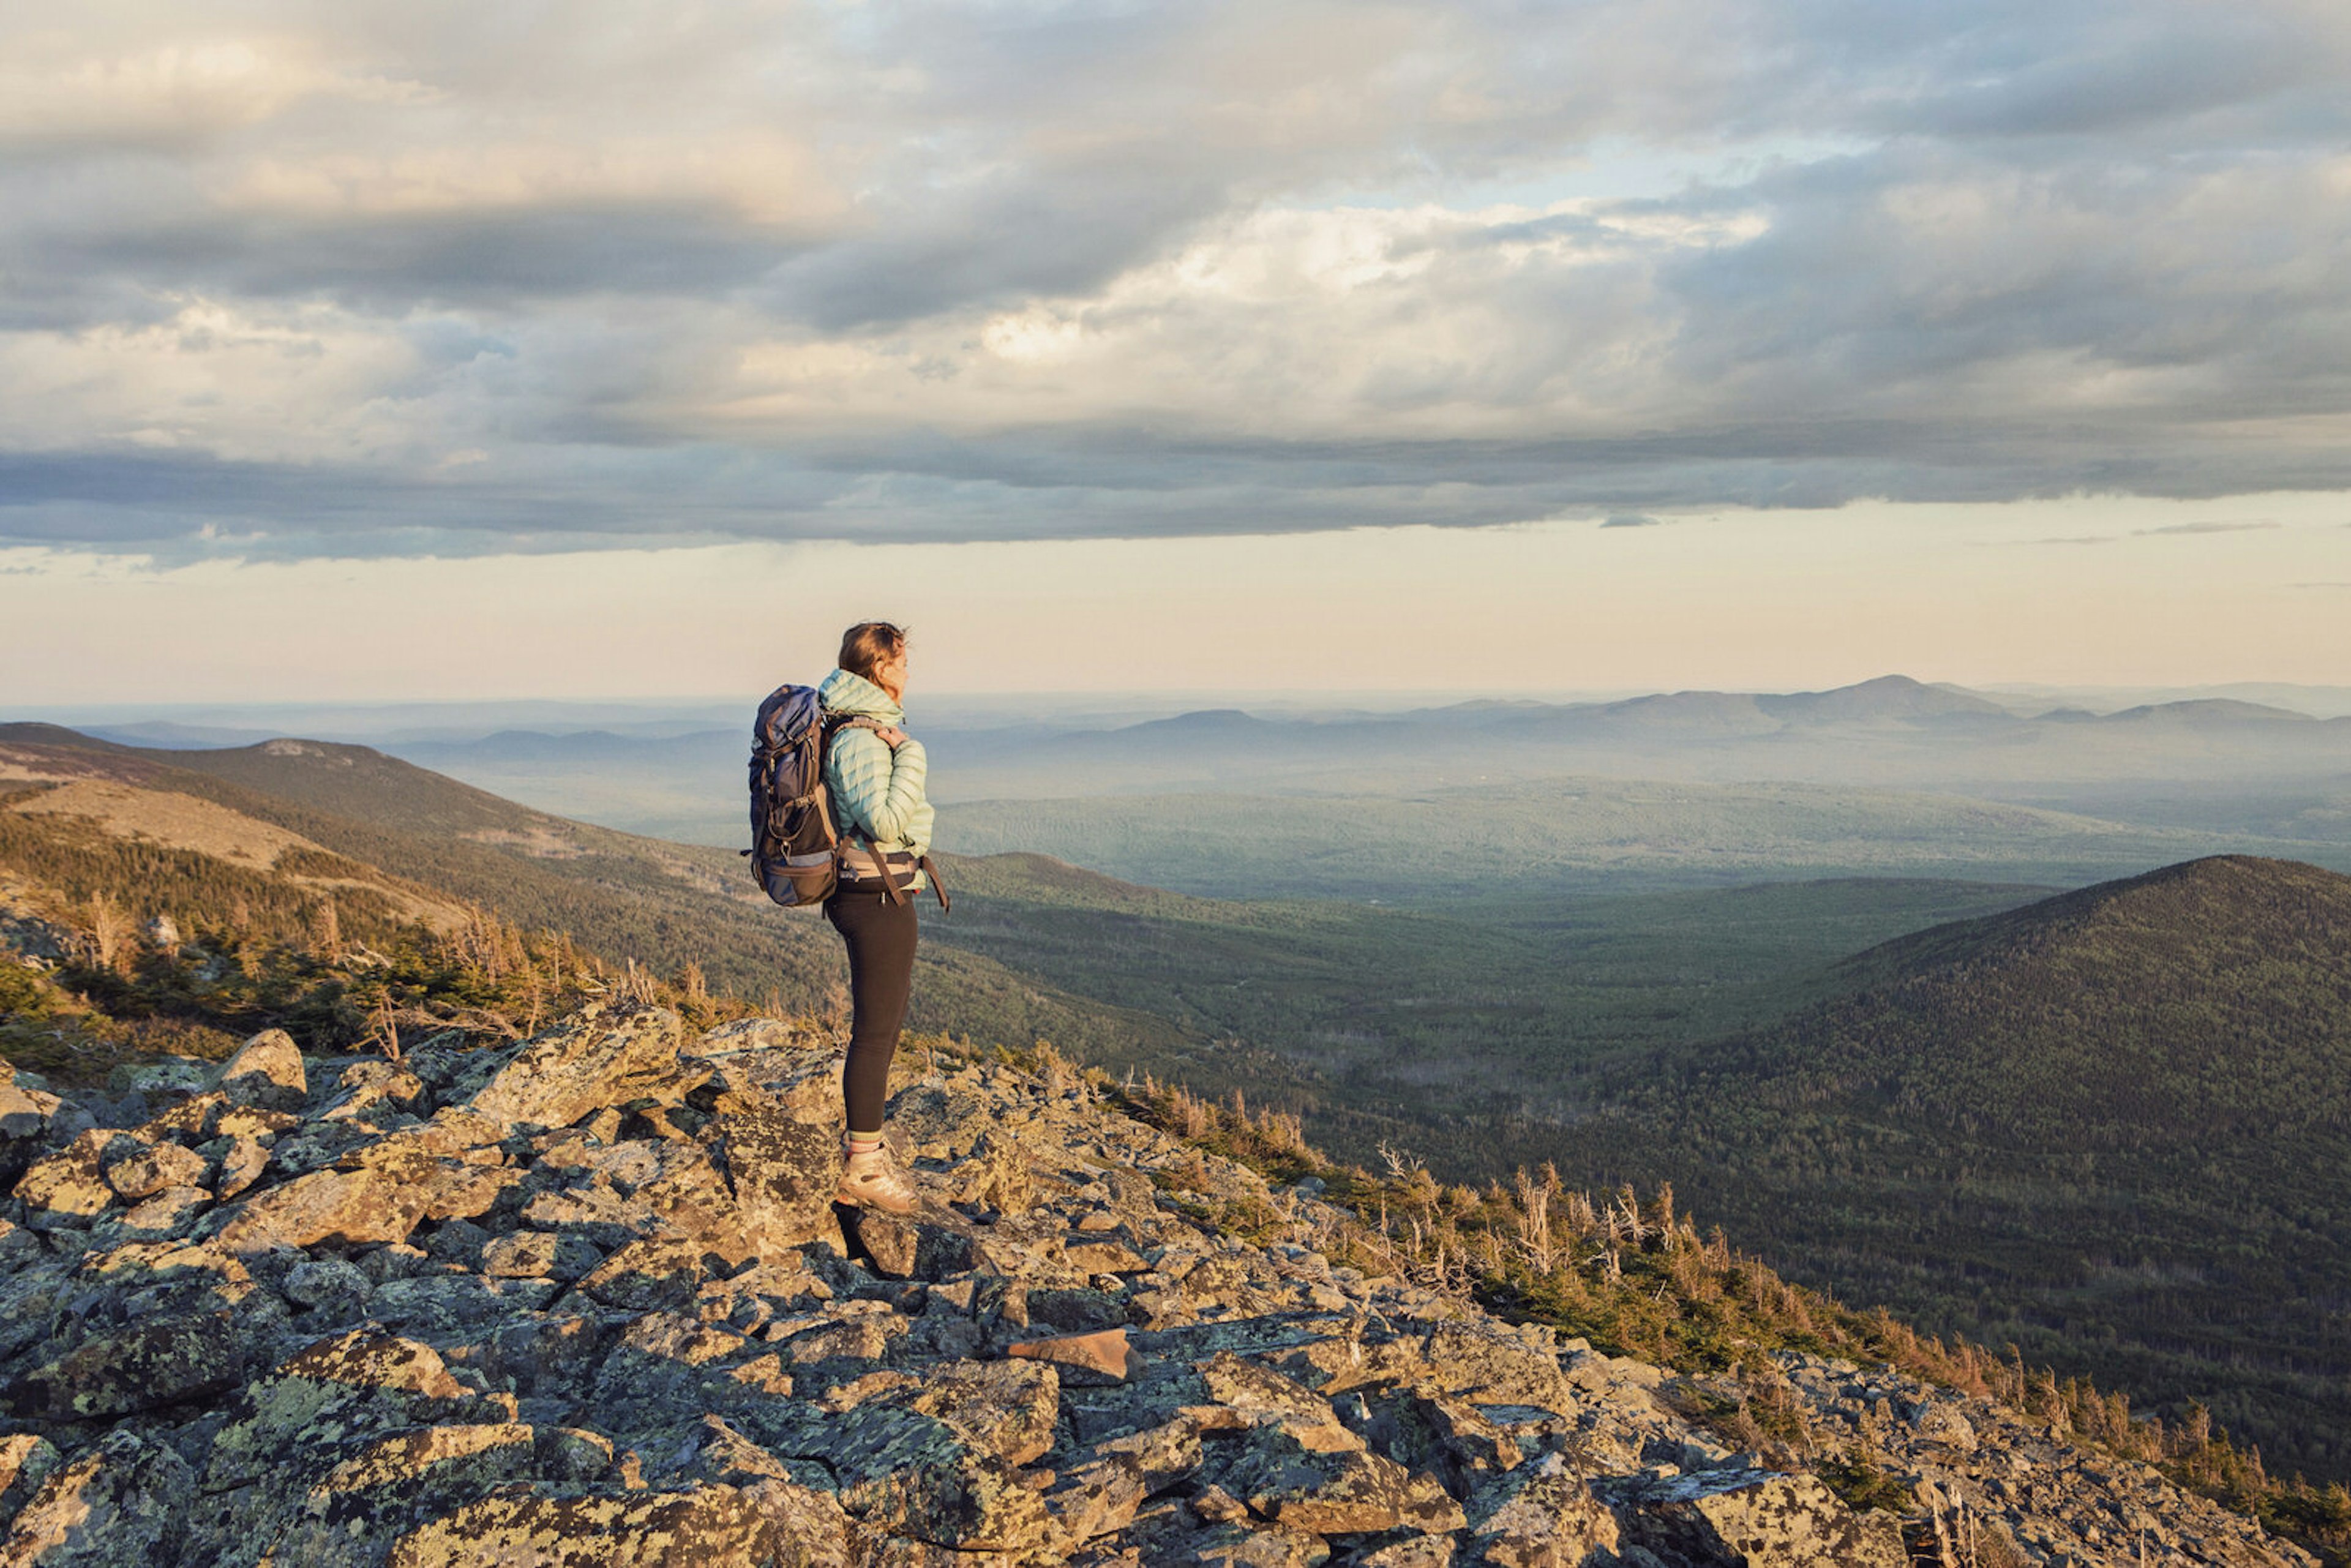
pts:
[893, 738]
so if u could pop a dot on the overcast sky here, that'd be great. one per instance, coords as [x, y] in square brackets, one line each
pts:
[1764, 338]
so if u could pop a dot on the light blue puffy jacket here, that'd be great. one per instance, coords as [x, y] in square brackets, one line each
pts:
[875, 791]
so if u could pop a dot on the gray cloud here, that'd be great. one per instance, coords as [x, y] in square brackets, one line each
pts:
[2207, 529]
[940, 272]
[1629, 520]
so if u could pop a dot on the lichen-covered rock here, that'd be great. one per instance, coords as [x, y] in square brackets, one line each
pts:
[352, 1207]
[1760, 1519]
[452, 1305]
[647, 1276]
[25, 1110]
[148, 1171]
[930, 1244]
[330, 1287]
[142, 1367]
[780, 1169]
[240, 1167]
[352, 1515]
[347, 1385]
[26, 1461]
[1006, 1408]
[267, 1072]
[69, 1186]
[584, 1066]
[120, 1504]
[994, 1175]
[520, 1255]
[640, 1338]
[1942, 1421]
[528, 1528]
[1545, 1517]
[1327, 1491]
[160, 1078]
[365, 1090]
[545, 1353]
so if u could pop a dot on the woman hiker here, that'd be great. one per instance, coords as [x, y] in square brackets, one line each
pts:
[874, 774]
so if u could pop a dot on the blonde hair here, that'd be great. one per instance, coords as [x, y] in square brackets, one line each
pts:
[870, 644]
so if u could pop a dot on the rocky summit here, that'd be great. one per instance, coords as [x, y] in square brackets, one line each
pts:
[584, 1300]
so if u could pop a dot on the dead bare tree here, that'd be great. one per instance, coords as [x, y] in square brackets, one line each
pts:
[1534, 1219]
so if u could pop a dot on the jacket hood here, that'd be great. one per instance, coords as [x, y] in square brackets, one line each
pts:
[845, 692]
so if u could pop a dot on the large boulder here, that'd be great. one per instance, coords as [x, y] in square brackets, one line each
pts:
[354, 1207]
[69, 1188]
[587, 1064]
[781, 1169]
[142, 1366]
[1544, 1517]
[1759, 1519]
[267, 1071]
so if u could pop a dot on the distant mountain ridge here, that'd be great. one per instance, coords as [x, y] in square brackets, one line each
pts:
[2113, 1126]
[2249, 765]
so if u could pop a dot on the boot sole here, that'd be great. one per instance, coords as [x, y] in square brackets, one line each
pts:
[843, 1196]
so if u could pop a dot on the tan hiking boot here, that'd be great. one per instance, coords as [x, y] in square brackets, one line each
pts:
[871, 1181]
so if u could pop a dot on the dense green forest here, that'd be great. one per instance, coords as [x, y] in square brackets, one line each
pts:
[2114, 1128]
[1395, 1023]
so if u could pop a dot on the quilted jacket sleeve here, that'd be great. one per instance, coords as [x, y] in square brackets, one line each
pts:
[878, 793]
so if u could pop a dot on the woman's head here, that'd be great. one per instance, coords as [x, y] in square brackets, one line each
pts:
[877, 651]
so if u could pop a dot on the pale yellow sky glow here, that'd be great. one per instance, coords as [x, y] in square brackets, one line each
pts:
[2116, 590]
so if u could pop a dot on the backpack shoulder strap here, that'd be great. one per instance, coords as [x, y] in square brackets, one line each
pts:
[889, 887]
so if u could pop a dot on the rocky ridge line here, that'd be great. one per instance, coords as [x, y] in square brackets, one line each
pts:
[585, 1301]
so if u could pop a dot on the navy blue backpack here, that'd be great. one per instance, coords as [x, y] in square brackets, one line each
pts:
[794, 851]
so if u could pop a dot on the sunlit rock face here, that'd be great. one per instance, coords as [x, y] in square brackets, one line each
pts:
[585, 1299]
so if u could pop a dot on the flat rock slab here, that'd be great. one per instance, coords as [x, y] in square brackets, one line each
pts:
[1105, 1354]
[350, 1206]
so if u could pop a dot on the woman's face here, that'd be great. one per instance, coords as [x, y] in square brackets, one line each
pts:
[892, 677]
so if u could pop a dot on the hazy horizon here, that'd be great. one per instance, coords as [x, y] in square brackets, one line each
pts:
[445, 717]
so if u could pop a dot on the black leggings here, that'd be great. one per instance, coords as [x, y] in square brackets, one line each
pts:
[881, 938]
